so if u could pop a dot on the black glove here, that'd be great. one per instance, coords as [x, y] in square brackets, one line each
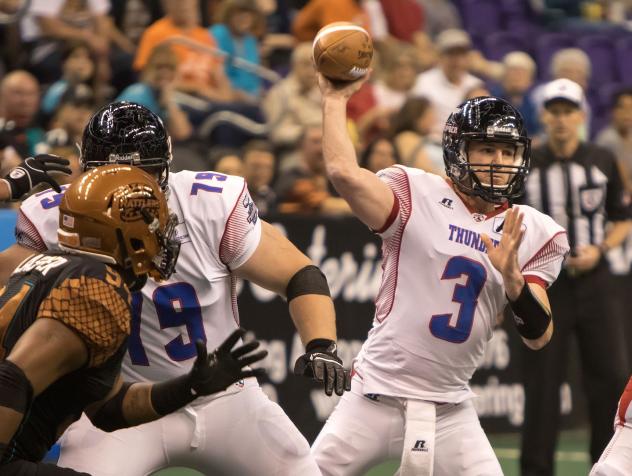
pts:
[34, 171]
[217, 371]
[321, 363]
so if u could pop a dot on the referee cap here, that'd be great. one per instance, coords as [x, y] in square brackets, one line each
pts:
[563, 90]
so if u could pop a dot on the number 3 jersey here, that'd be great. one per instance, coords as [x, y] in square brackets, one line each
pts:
[440, 295]
[218, 229]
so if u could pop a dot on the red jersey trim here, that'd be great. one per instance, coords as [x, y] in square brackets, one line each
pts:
[222, 242]
[535, 256]
[35, 240]
[529, 278]
[384, 303]
[391, 216]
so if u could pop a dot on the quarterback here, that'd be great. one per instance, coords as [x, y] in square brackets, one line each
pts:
[238, 431]
[455, 254]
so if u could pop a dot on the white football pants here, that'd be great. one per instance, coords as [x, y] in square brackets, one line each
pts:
[616, 459]
[241, 434]
[361, 433]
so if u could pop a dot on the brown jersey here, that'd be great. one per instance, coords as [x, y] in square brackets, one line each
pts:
[89, 297]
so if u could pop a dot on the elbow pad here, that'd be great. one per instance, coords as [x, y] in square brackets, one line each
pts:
[16, 391]
[307, 280]
[531, 318]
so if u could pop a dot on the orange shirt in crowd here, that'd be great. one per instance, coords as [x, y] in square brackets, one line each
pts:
[318, 13]
[194, 65]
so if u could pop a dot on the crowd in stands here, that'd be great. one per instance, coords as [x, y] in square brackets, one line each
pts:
[234, 81]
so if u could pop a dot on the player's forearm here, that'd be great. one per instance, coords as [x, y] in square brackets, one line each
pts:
[340, 157]
[142, 402]
[136, 406]
[9, 424]
[513, 282]
[5, 191]
[314, 317]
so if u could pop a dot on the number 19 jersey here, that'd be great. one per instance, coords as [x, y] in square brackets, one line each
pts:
[218, 229]
[440, 295]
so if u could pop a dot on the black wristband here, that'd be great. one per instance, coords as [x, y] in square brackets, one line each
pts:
[3, 448]
[171, 395]
[319, 345]
[531, 318]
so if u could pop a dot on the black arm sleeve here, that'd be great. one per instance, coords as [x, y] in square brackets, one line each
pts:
[28, 468]
[110, 415]
[531, 318]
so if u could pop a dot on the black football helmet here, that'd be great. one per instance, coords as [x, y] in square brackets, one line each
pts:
[127, 133]
[486, 119]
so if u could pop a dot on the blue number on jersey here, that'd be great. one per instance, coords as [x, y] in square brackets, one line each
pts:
[207, 188]
[177, 305]
[135, 347]
[54, 201]
[466, 295]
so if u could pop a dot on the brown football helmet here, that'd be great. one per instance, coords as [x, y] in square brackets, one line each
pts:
[118, 214]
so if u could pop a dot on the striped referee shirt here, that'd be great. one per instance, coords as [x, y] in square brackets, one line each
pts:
[581, 193]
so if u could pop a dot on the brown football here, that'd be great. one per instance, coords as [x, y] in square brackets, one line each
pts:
[343, 51]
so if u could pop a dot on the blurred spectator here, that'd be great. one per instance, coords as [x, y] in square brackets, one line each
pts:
[410, 130]
[305, 188]
[79, 66]
[379, 154]
[573, 64]
[259, 172]
[132, 17]
[156, 92]
[19, 104]
[236, 22]
[294, 102]
[49, 23]
[230, 164]
[318, 13]
[477, 91]
[404, 18]
[446, 84]
[516, 83]
[439, 15]
[371, 107]
[198, 72]
[66, 127]
[617, 136]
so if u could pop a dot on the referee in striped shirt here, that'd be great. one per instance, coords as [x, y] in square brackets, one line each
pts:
[579, 185]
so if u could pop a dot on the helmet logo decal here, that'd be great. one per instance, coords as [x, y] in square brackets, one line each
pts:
[68, 221]
[129, 158]
[502, 130]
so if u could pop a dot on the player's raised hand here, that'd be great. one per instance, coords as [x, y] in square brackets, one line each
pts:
[215, 372]
[504, 256]
[322, 363]
[35, 170]
[340, 89]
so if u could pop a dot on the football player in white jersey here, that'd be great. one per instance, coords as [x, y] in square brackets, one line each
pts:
[616, 459]
[238, 431]
[455, 254]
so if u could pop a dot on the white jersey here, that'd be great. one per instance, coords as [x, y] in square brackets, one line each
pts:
[440, 294]
[218, 229]
[624, 409]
